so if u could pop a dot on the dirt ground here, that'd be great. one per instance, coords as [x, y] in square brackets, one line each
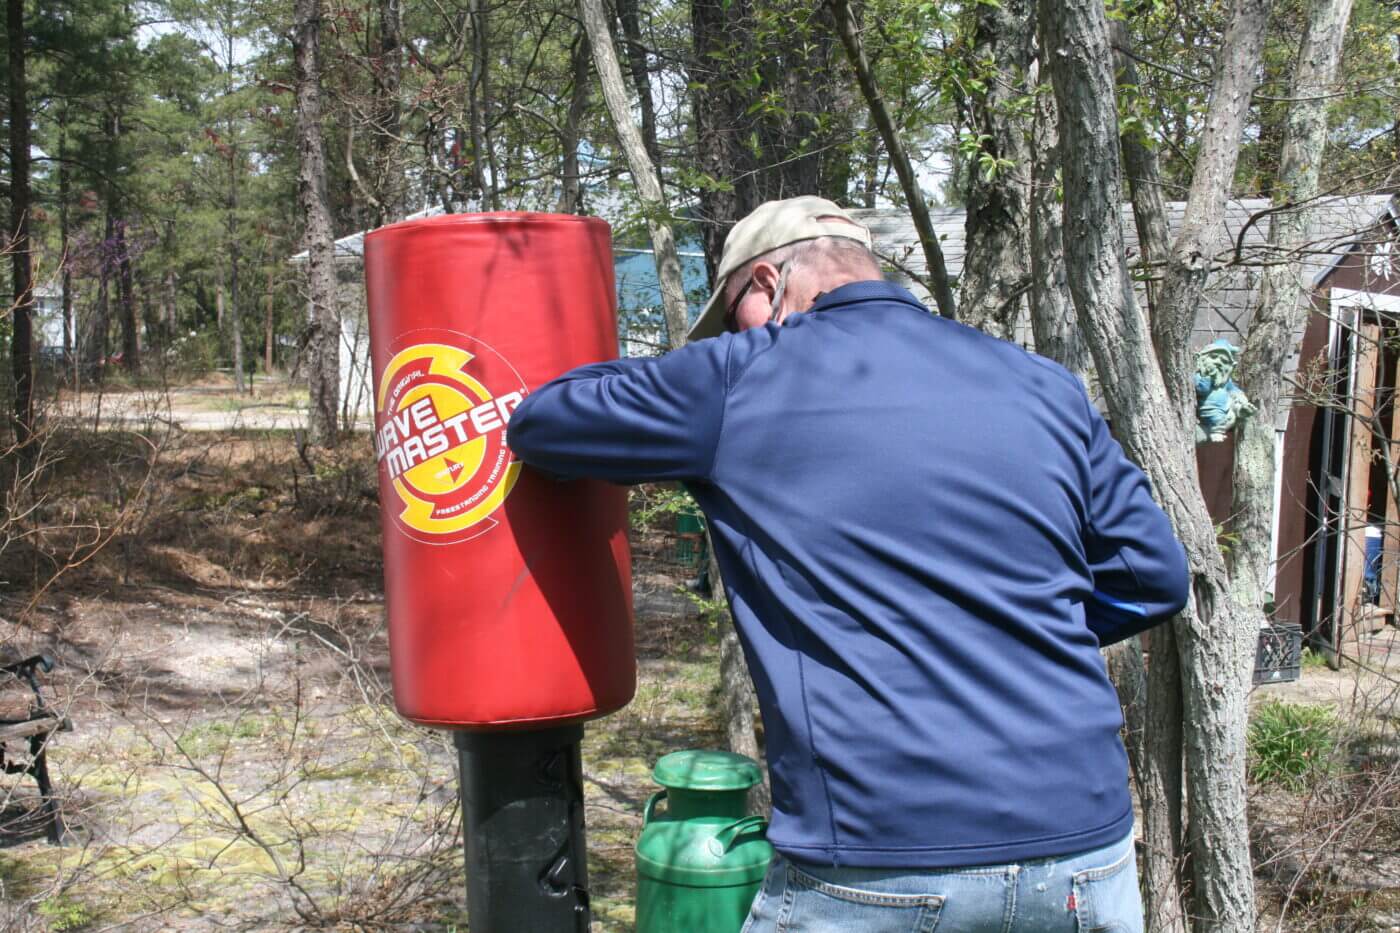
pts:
[209, 404]
[216, 611]
[235, 761]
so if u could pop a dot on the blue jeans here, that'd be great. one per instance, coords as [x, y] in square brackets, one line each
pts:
[1090, 892]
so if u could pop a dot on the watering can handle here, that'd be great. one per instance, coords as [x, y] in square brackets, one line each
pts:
[649, 810]
[721, 841]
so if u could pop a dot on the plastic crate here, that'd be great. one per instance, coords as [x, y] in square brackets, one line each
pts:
[1279, 656]
[690, 539]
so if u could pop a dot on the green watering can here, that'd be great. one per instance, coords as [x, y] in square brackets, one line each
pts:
[701, 861]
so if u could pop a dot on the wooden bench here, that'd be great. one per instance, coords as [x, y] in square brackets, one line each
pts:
[37, 728]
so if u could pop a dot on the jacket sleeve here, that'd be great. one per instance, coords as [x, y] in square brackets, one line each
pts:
[1138, 566]
[628, 421]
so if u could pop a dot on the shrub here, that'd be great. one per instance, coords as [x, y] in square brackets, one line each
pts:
[1291, 744]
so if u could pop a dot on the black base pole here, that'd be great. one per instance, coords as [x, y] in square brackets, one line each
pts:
[522, 822]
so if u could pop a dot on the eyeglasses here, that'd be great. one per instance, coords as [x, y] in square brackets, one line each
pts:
[731, 321]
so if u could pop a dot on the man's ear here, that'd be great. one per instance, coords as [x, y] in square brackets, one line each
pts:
[765, 278]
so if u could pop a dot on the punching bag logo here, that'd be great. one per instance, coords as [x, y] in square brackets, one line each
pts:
[440, 435]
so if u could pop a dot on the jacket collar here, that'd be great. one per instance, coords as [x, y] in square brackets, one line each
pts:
[857, 292]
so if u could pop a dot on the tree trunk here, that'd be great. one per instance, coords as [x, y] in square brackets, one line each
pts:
[644, 174]
[1147, 422]
[101, 323]
[235, 322]
[899, 156]
[126, 301]
[1282, 308]
[324, 345]
[996, 267]
[171, 309]
[806, 142]
[1057, 336]
[870, 171]
[1144, 178]
[388, 79]
[1216, 646]
[267, 330]
[750, 152]
[1159, 789]
[478, 100]
[1189, 261]
[1160, 778]
[66, 278]
[719, 120]
[641, 75]
[21, 336]
[571, 190]
[1053, 322]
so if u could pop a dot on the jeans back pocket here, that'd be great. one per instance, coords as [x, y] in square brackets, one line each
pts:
[1107, 899]
[812, 905]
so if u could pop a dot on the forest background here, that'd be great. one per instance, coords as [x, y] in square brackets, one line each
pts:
[165, 160]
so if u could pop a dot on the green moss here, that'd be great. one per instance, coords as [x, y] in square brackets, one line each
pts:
[63, 913]
[211, 739]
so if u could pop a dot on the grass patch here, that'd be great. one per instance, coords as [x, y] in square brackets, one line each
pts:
[1313, 660]
[1292, 744]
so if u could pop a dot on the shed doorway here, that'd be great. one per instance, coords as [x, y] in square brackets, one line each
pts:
[1351, 585]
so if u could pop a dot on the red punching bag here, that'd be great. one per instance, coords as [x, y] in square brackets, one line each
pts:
[509, 593]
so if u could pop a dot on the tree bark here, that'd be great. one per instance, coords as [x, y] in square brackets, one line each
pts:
[388, 80]
[899, 156]
[66, 279]
[1147, 422]
[1160, 789]
[478, 100]
[97, 347]
[644, 174]
[235, 320]
[1190, 260]
[1144, 180]
[324, 345]
[1160, 777]
[997, 267]
[21, 276]
[746, 54]
[627, 14]
[1053, 322]
[571, 189]
[1216, 646]
[267, 330]
[719, 119]
[1282, 307]
[126, 301]
[171, 309]
[870, 171]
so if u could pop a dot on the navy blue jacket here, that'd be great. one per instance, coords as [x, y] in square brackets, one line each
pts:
[926, 534]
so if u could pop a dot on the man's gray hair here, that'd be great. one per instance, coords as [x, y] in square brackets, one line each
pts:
[833, 252]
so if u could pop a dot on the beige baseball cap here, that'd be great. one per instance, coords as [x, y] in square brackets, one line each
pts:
[772, 225]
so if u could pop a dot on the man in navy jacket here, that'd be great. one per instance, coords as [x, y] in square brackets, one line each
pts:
[925, 534]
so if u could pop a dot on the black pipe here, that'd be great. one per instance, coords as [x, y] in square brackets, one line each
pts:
[522, 823]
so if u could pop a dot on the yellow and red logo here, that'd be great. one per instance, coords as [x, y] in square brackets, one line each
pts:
[440, 435]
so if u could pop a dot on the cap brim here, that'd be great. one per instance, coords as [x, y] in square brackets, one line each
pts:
[710, 323]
